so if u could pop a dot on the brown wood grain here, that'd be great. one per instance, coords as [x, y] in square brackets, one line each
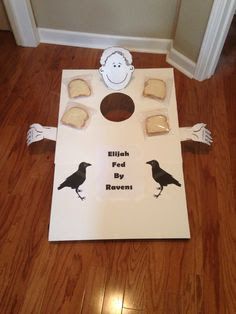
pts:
[196, 276]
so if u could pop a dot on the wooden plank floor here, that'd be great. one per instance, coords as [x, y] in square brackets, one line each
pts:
[128, 277]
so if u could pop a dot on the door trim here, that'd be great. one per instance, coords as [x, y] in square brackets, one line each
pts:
[22, 22]
[217, 29]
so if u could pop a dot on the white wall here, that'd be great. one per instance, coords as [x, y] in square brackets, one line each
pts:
[149, 18]
[192, 23]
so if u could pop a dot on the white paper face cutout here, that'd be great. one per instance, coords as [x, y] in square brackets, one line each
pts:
[117, 68]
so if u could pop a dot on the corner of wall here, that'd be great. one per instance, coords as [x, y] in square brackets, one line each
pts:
[181, 62]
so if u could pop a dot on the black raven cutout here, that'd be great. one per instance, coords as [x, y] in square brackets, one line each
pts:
[161, 176]
[76, 179]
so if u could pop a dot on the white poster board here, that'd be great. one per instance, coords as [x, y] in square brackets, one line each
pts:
[119, 187]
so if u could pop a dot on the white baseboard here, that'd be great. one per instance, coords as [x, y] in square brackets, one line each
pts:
[180, 62]
[100, 41]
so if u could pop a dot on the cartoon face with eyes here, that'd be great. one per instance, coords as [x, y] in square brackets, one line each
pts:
[116, 68]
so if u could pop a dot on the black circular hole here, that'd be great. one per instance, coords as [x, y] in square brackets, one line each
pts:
[117, 107]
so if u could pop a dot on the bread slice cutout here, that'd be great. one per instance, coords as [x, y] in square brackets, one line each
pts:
[75, 117]
[78, 87]
[157, 124]
[155, 88]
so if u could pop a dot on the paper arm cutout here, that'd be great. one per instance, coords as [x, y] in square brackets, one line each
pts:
[37, 132]
[197, 133]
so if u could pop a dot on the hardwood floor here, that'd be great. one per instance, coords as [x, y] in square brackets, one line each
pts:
[128, 277]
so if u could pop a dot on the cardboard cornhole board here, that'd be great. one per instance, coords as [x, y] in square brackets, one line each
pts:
[119, 188]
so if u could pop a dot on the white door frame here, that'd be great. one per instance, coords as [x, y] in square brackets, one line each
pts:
[22, 21]
[21, 18]
[217, 29]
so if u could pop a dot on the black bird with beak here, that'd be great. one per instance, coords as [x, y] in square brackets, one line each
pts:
[76, 179]
[162, 177]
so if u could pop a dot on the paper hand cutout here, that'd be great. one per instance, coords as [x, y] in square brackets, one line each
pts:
[197, 133]
[116, 67]
[37, 132]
